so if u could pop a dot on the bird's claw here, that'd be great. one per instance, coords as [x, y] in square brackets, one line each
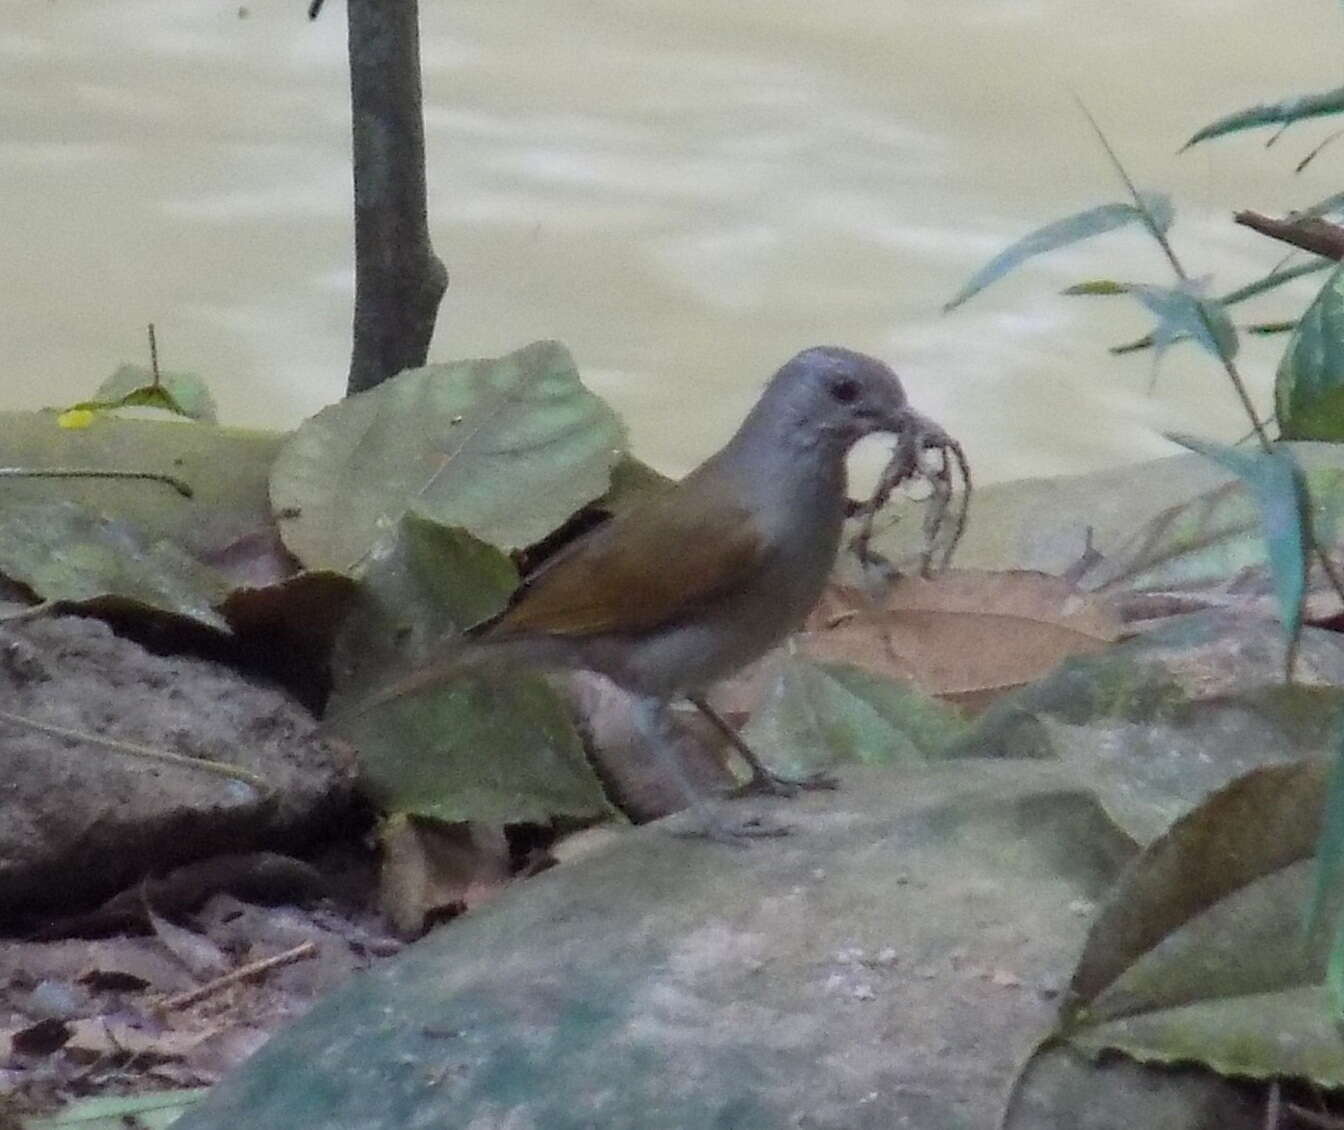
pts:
[773, 784]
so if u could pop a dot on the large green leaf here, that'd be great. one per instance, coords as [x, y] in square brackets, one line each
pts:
[506, 448]
[488, 745]
[1309, 387]
[1280, 491]
[1281, 113]
[1198, 954]
[1081, 225]
[67, 553]
[815, 714]
[226, 522]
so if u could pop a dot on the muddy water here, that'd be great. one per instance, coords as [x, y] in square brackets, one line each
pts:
[685, 193]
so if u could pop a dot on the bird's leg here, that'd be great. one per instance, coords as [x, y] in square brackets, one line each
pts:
[655, 723]
[762, 779]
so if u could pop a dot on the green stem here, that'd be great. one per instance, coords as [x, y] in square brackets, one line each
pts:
[183, 488]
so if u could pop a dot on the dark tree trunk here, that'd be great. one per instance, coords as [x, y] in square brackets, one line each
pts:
[399, 281]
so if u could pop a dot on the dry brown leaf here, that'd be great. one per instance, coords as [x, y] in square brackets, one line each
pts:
[432, 871]
[966, 636]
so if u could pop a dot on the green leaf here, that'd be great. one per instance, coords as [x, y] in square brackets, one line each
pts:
[67, 553]
[1268, 329]
[490, 745]
[1332, 204]
[506, 448]
[226, 468]
[154, 1111]
[1275, 278]
[1103, 287]
[1061, 233]
[183, 394]
[815, 714]
[1309, 386]
[1280, 491]
[1197, 955]
[1283, 112]
[1182, 314]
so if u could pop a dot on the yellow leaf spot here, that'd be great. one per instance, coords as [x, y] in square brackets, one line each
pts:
[75, 418]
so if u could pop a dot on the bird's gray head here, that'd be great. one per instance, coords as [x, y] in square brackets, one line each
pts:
[830, 397]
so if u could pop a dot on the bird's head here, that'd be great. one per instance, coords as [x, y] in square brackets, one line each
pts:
[830, 397]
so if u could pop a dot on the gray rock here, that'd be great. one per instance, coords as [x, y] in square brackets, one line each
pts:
[80, 820]
[877, 968]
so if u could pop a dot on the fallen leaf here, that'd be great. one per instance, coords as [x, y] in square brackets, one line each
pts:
[432, 871]
[965, 636]
[42, 1038]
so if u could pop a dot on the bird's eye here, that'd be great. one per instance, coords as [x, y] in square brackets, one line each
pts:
[844, 389]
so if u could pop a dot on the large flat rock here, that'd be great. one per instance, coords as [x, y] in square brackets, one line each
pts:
[888, 964]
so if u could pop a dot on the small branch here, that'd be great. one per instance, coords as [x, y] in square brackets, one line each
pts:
[242, 973]
[181, 486]
[1311, 233]
[31, 612]
[1314, 1119]
[133, 749]
[153, 355]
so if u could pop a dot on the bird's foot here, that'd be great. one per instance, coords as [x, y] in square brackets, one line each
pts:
[765, 783]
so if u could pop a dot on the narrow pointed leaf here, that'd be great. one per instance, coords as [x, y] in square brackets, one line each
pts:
[1280, 491]
[1282, 113]
[1182, 314]
[1271, 281]
[1097, 287]
[1061, 233]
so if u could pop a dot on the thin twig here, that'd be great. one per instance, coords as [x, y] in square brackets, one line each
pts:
[153, 355]
[1229, 366]
[31, 612]
[1311, 233]
[182, 487]
[1310, 1117]
[242, 973]
[133, 749]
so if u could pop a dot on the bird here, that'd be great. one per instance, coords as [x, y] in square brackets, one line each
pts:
[679, 591]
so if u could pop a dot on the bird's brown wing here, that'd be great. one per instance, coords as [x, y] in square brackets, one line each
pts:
[649, 566]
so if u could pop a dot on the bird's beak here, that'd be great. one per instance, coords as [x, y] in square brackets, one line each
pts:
[896, 416]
